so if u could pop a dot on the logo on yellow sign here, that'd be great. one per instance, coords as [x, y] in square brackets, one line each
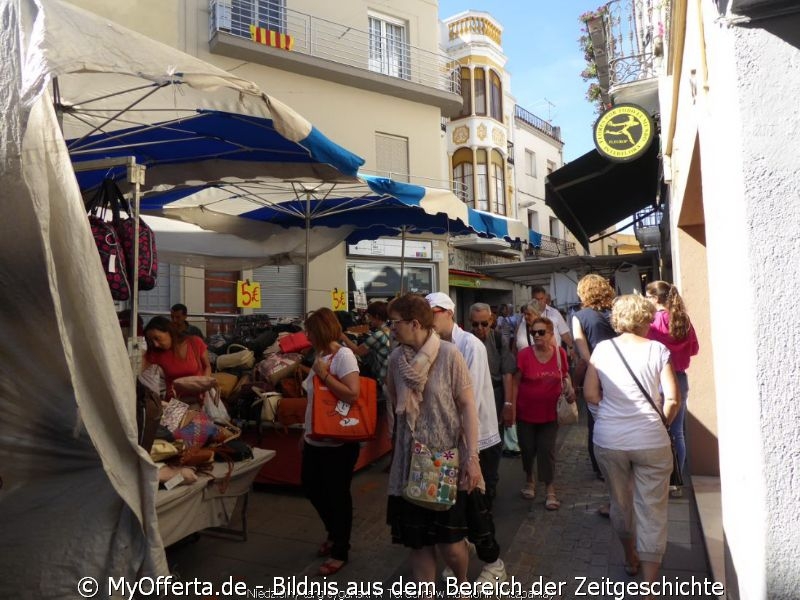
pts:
[624, 133]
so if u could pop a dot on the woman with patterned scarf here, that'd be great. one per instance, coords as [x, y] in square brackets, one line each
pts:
[429, 387]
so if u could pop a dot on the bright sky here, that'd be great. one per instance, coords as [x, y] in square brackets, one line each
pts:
[540, 39]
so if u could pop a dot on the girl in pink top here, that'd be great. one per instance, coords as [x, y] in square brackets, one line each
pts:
[672, 328]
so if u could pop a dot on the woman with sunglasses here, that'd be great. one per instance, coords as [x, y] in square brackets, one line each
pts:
[429, 387]
[537, 385]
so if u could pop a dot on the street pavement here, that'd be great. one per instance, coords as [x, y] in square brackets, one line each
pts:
[571, 549]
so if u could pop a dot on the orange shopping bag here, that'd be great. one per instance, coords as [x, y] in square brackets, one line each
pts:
[332, 419]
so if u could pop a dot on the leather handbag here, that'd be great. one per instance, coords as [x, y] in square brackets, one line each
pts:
[227, 383]
[238, 357]
[676, 477]
[332, 419]
[294, 342]
[566, 412]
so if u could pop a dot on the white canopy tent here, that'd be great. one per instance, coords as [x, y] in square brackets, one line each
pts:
[78, 492]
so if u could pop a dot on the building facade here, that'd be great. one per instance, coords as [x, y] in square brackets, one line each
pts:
[499, 155]
[373, 80]
[733, 221]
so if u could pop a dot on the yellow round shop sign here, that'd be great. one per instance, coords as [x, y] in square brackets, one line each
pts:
[624, 132]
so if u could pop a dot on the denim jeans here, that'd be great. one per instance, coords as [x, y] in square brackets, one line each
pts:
[678, 427]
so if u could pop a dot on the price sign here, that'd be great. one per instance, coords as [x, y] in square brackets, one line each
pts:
[338, 299]
[360, 300]
[248, 295]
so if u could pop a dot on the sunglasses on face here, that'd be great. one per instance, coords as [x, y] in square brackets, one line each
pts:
[538, 332]
[476, 324]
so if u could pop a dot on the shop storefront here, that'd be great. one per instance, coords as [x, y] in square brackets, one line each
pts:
[381, 269]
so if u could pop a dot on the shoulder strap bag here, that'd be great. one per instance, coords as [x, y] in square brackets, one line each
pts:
[566, 411]
[676, 479]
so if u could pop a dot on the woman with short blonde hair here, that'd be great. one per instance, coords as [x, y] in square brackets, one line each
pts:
[630, 441]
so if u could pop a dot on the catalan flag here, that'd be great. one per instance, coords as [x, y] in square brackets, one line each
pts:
[261, 35]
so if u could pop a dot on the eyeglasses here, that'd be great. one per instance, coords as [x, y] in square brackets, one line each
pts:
[538, 332]
[390, 323]
[476, 324]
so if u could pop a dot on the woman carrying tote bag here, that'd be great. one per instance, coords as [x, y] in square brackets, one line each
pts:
[630, 441]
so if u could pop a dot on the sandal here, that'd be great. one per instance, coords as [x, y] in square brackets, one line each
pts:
[551, 502]
[632, 568]
[529, 491]
[325, 549]
[330, 568]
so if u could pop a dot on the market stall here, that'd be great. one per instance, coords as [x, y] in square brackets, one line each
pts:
[213, 501]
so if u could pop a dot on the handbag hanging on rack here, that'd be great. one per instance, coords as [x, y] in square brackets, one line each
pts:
[676, 477]
[147, 268]
[109, 248]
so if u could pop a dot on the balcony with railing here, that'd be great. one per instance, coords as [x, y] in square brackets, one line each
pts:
[550, 247]
[647, 228]
[377, 59]
[628, 40]
[530, 119]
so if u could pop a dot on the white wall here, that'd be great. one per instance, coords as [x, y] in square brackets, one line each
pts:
[745, 115]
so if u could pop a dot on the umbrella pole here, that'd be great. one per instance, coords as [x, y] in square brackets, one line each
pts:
[402, 260]
[308, 260]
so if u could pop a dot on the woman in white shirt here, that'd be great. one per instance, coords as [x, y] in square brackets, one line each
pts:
[327, 467]
[630, 441]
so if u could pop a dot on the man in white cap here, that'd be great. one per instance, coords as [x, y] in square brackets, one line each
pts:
[479, 518]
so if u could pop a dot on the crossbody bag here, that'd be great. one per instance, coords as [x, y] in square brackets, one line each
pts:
[676, 478]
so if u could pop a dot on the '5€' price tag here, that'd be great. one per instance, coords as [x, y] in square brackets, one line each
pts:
[338, 300]
[248, 295]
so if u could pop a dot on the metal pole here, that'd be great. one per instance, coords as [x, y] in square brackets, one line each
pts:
[402, 259]
[308, 260]
[136, 177]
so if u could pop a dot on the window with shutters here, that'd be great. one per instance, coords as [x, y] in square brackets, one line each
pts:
[391, 156]
[533, 220]
[462, 176]
[480, 92]
[496, 97]
[499, 183]
[530, 163]
[555, 228]
[466, 92]
[269, 14]
[482, 182]
[388, 46]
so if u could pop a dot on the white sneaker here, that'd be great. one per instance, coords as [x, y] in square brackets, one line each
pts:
[493, 572]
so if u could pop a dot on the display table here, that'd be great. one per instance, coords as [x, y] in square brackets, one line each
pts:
[186, 509]
[285, 470]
